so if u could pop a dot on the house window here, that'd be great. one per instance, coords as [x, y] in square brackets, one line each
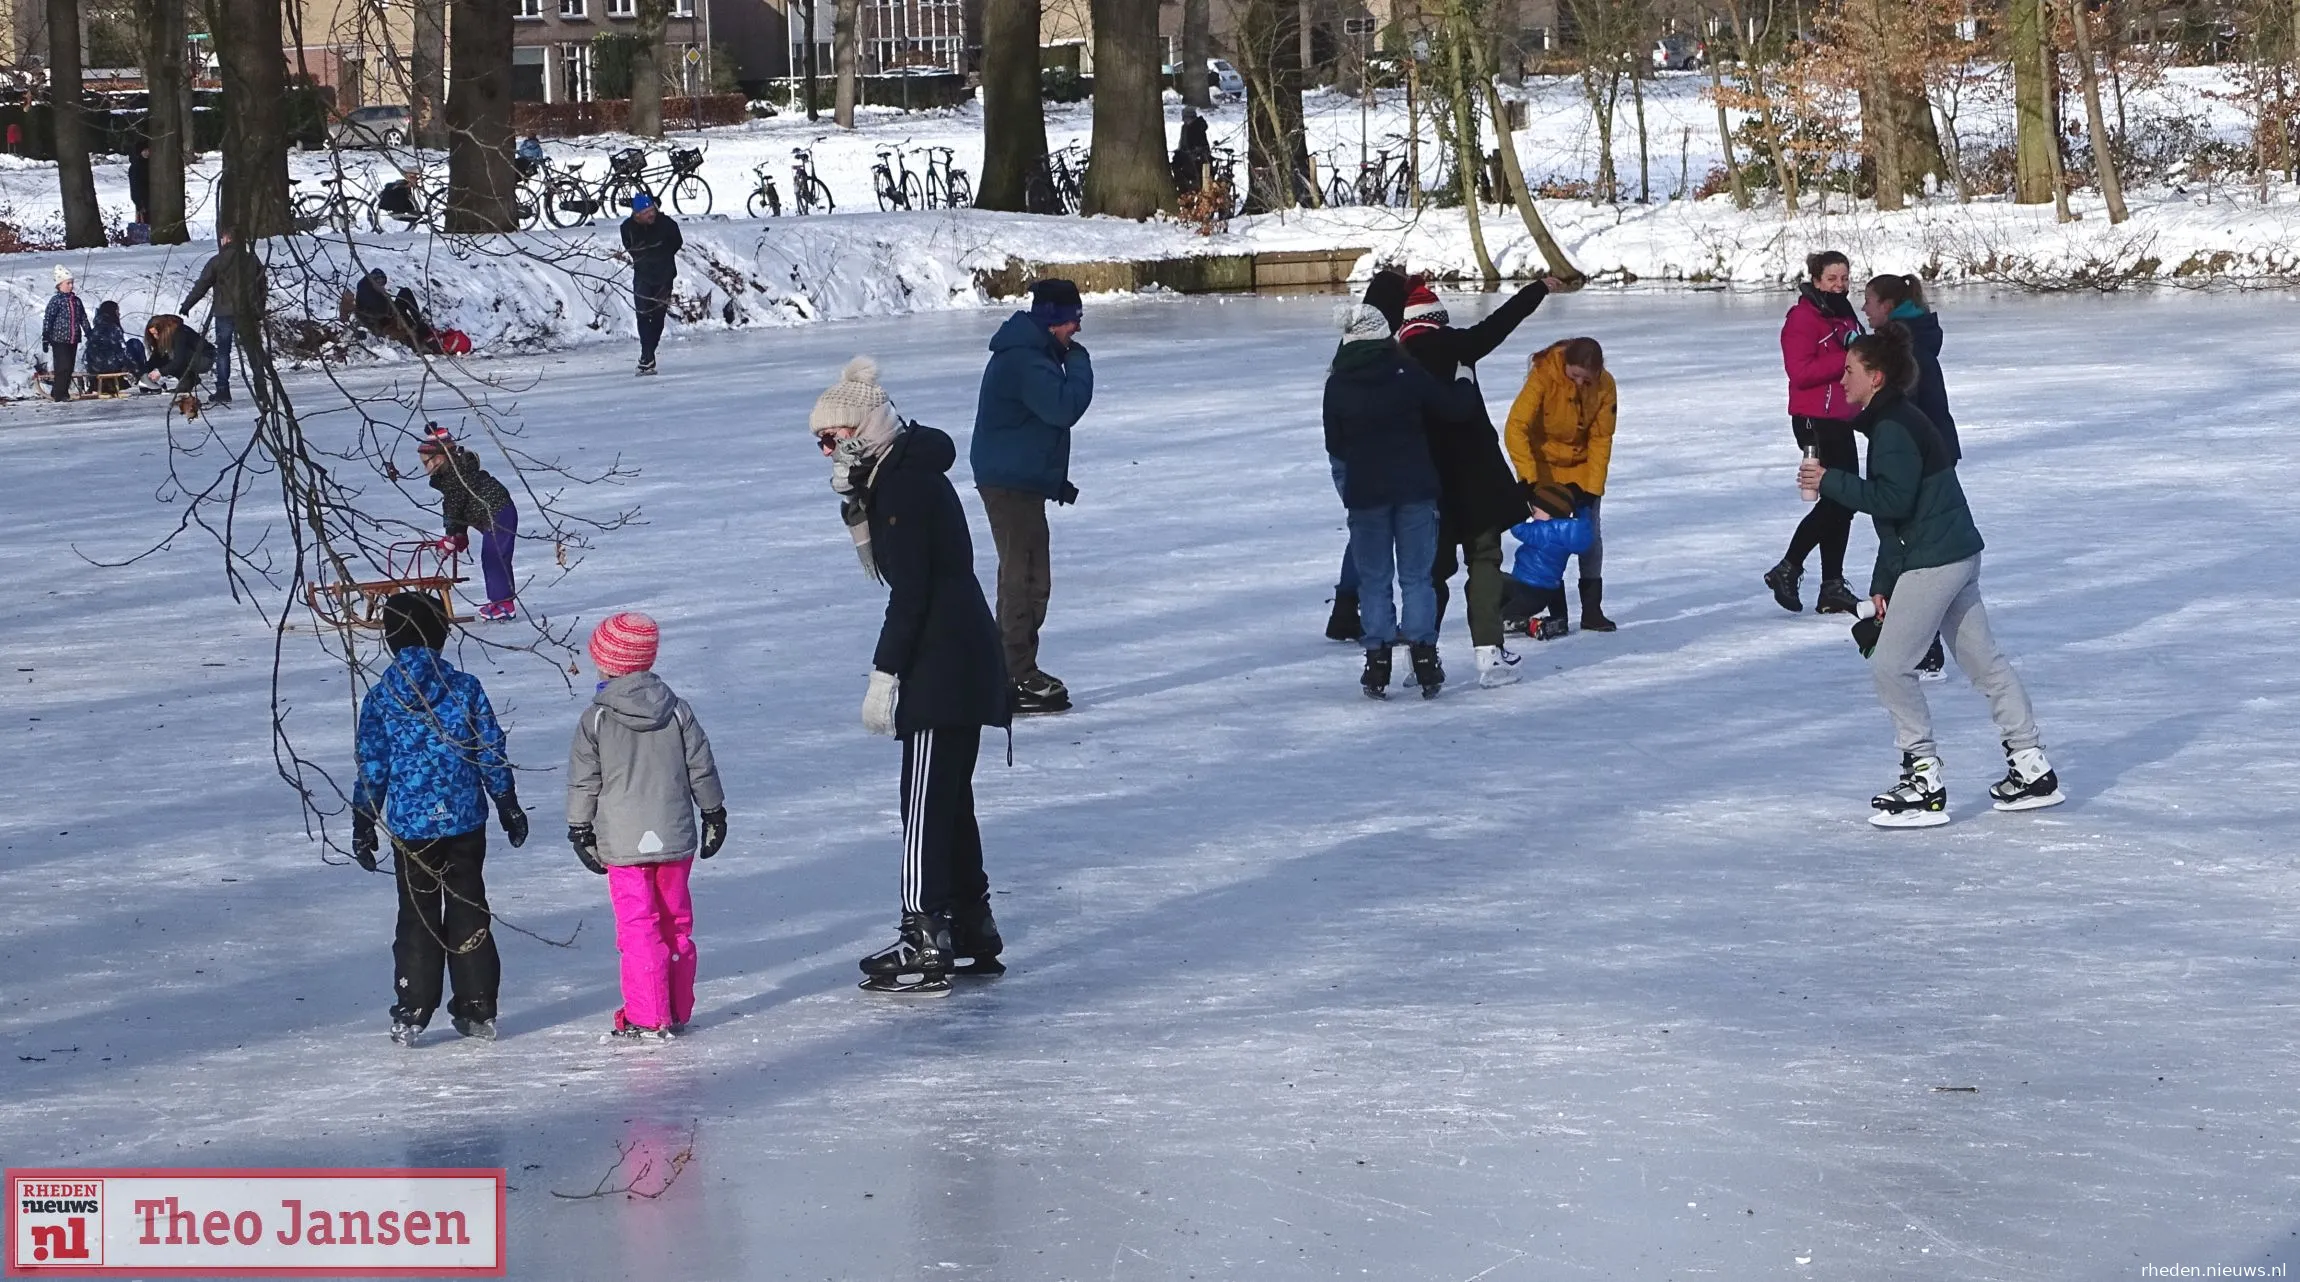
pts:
[575, 72]
[622, 8]
[527, 9]
[573, 9]
[682, 8]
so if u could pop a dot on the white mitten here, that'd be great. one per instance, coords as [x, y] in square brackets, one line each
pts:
[879, 701]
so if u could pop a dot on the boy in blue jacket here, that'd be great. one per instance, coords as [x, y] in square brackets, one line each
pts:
[1559, 529]
[430, 757]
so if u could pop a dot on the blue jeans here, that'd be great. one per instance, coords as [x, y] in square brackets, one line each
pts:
[1345, 583]
[227, 331]
[1395, 543]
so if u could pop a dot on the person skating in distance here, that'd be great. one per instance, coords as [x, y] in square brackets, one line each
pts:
[1819, 326]
[936, 679]
[1926, 583]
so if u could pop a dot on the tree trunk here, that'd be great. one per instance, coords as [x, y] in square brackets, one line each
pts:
[482, 183]
[83, 220]
[2050, 74]
[1197, 47]
[1270, 46]
[427, 95]
[1013, 118]
[2103, 159]
[1922, 153]
[166, 126]
[2034, 136]
[646, 114]
[1128, 176]
[1725, 134]
[1465, 141]
[252, 197]
[1883, 137]
[1644, 153]
[1551, 253]
[846, 19]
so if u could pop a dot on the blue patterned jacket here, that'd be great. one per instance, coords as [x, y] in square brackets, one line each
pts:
[430, 752]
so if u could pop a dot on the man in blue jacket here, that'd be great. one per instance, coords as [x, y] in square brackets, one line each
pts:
[1035, 389]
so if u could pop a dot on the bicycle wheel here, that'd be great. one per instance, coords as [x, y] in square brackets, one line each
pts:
[913, 195]
[961, 191]
[310, 212]
[821, 197]
[691, 195]
[1337, 192]
[889, 195]
[764, 203]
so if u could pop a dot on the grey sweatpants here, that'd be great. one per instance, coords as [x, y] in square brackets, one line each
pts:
[1945, 599]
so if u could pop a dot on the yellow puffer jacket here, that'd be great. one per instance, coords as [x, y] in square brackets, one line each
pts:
[1557, 431]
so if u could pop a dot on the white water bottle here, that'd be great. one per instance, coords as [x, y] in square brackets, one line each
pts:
[1812, 493]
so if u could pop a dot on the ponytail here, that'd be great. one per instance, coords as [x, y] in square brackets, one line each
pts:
[1889, 351]
[1896, 289]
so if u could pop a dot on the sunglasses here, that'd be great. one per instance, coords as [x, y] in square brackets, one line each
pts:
[829, 441]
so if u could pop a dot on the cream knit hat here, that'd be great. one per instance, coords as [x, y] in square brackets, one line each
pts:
[850, 402]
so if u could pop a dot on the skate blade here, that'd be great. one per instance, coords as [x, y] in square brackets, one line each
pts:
[1931, 674]
[1431, 692]
[983, 968]
[2053, 798]
[1909, 819]
[887, 987]
[1372, 693]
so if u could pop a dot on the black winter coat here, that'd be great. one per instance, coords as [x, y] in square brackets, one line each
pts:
[1482, 495]
[939, 636]
[189, 355]
[654, 253]
[1378, 407]
[1931, 394]
[468, 497]
[231, 266]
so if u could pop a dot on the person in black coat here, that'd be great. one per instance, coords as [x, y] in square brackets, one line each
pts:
[652, 241]
[938, 675]
[1482, 494]
[1902, 298]
[140, 180]
[174, 350]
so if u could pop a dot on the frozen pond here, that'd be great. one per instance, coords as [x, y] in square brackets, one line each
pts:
[1600, 976]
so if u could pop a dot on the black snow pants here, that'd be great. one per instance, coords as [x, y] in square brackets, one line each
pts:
[444, 925]
[941, 846]
[1828, 525]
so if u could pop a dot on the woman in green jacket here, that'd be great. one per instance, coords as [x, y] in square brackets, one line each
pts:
[1928, 573]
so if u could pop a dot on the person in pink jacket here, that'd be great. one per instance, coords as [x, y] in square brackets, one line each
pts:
[1820, 326]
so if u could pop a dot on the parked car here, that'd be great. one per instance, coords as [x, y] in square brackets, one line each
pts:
[1680, 53]
[1225, 78]
[373, 127]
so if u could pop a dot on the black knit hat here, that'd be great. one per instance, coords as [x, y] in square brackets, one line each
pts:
[1386, 293]
[1055, 292]
[413, 619]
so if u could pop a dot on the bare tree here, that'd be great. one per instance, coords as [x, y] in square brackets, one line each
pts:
[167, 126]
[482, 183]
[253, 198]
[1733, 179]
[1013, 117]
[1128, 175]
[83, 221]
[2103, 156]
[2036, 132]
[1606, 32]
[1453, 76]
[846, 16]
[1197, 47]
[427, 80]
[1513, 172]
[646, 67]
[1269, 37]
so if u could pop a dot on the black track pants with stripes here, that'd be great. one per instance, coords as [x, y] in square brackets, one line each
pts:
[941, 847]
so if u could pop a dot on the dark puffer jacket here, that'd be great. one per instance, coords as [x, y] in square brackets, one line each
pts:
[654, 250]
[1379, 405]
[939, 636]
[1034, 390]
[1931, 394]
[1482, 495]
[1911, 492]
[468, 497]
[65, 323]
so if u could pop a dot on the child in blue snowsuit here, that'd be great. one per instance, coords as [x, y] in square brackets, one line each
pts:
[1559, 529]
[431, 756]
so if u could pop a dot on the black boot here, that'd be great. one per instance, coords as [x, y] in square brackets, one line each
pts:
[1376, 680]
[1342, 624]
[1782, 579]
[1593, 607]
[916, 964]
[1429, 674]
[974, 936]
[1836, 598]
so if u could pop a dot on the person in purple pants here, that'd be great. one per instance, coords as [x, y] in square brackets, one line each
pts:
[470, 499]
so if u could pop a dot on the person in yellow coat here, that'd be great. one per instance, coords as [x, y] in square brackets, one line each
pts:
[1560, 432]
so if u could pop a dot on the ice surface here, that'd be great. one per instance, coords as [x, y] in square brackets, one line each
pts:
[1599, 976]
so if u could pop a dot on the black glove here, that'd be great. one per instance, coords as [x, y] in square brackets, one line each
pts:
[586, 843]
[1068, 496]
[714, 831]
[363, 843]
[513, 818]
[1865, 634]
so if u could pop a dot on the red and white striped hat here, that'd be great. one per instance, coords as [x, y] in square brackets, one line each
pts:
[1423, 311]
[625, 643]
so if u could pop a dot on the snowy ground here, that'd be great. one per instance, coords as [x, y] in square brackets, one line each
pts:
[1600, 976]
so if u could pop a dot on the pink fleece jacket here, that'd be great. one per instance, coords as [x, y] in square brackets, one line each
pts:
[1813, 351]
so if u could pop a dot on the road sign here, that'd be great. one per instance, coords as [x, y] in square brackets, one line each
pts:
[694, 57]
[1357, 26]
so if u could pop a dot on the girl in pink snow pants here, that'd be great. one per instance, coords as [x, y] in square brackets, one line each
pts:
[639, 770]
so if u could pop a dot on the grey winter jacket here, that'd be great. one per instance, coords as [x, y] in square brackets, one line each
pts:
[639, 770]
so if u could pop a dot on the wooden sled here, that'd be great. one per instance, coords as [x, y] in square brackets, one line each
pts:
[408, 567]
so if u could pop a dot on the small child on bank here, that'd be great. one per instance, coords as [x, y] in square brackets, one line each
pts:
[1558, 529]
[639, 770]
[470, 499]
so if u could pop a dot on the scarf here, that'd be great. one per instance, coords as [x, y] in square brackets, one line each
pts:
[854, 469]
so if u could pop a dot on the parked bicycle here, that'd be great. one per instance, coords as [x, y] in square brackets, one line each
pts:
[571, 200]
[1057, 183]
[947, 186]
[896, 185]
[809, 194]
[403, 204]
[765, 201]
[333, 208]
[1379, 181]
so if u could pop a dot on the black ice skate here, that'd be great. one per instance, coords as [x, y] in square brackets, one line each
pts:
[1782, 579]
[1040, 693]
[483, 1029]
[405, 1033]
[626, 1031]
[2030, 782]
[916, 964]
[1930, 667]
[1919, 800]
[1342, 624]
[1429, 674]
[1550, 629]
[1836, 598]
[1376, 679]
[974, 941]
[646, 368]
